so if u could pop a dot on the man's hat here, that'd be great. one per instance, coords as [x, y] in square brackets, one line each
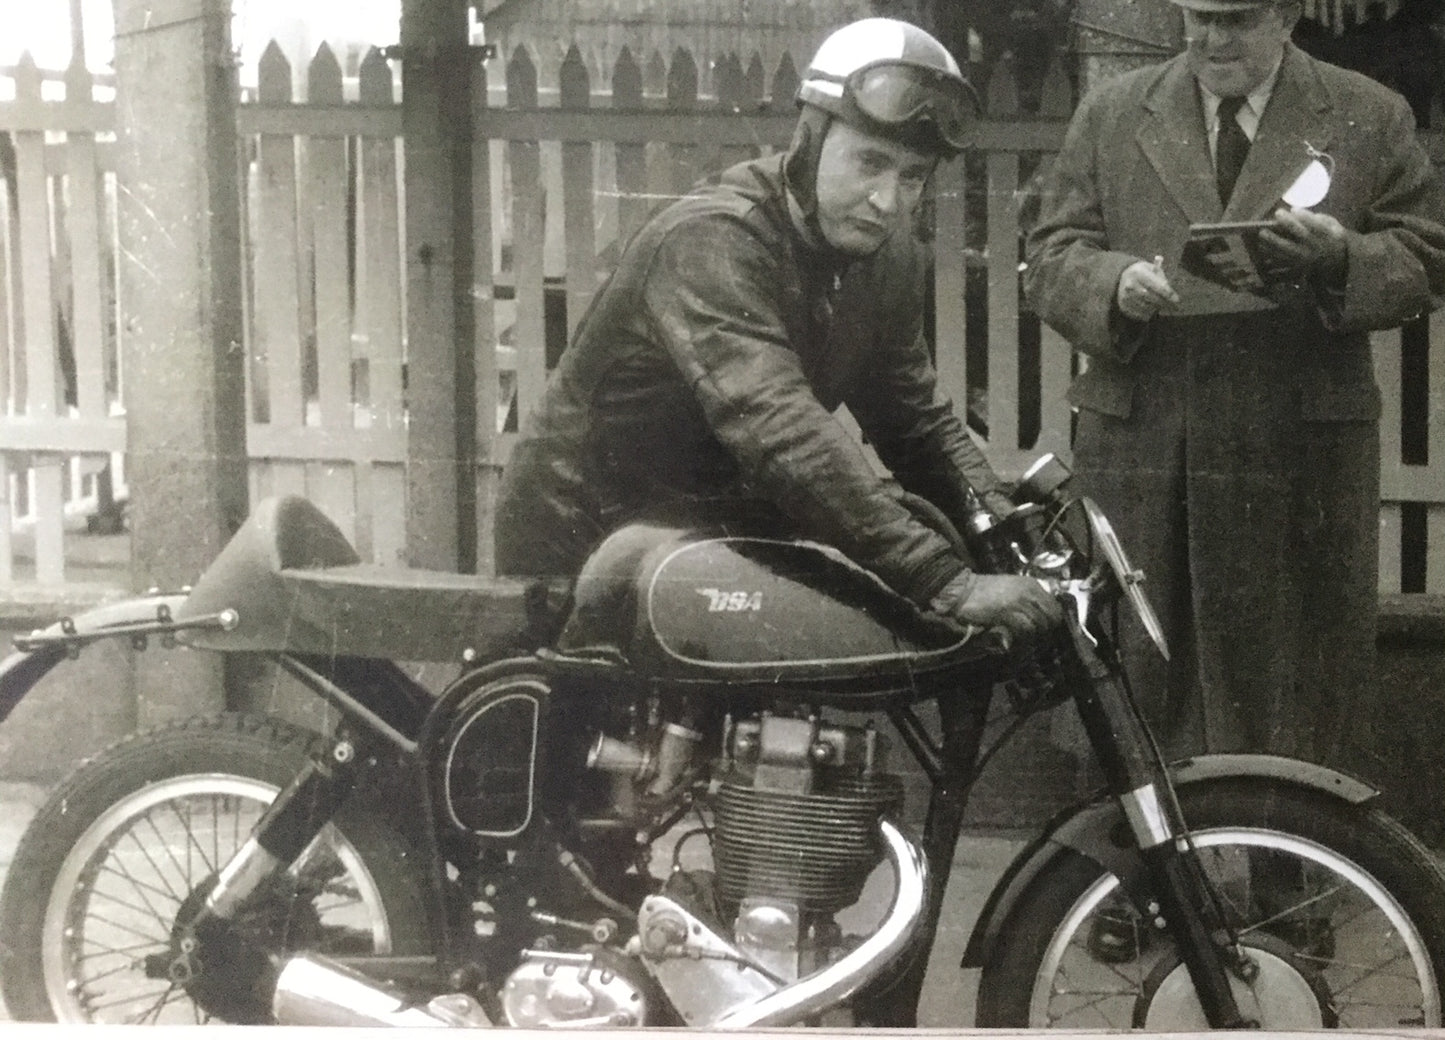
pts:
[1226, 6]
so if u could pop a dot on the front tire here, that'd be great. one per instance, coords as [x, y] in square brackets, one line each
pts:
[109, 862]
[1356, 939]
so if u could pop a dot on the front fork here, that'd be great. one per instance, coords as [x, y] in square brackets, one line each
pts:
[1137, 776]
[288, 826]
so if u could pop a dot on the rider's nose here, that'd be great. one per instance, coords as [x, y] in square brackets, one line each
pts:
[884, 197]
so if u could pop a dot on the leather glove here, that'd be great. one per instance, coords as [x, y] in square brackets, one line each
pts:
[1314, 243]
[1018, 609]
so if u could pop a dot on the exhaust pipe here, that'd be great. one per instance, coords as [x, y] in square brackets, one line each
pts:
[313, 991]
[816, 993]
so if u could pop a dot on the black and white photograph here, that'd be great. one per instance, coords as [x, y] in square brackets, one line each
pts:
[859, 515]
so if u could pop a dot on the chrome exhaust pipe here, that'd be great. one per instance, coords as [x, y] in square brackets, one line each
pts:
[314, 991]
[816, 993]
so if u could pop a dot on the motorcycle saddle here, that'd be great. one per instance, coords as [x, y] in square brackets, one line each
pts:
[295, 584]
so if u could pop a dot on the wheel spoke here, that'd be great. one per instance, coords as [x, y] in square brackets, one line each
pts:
[1341, 937]
[118, 890]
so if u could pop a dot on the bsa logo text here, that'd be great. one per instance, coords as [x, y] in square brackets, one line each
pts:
[731, 600]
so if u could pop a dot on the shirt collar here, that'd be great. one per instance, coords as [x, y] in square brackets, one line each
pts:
[1255, 101]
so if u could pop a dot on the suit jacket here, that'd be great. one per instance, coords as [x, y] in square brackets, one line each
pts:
[1237, 447]
[1135, 172]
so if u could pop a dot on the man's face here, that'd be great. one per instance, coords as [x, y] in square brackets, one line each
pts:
[866, 187]
[1231, 53]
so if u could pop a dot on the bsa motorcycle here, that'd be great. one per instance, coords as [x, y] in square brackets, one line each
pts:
[655, 797]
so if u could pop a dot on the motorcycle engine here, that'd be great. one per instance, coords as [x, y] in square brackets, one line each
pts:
[795, 804]
[795, 837]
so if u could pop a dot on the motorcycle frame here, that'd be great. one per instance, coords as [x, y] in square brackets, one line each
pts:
[386, 715]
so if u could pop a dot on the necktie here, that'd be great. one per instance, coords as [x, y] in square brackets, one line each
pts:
[1230, 148]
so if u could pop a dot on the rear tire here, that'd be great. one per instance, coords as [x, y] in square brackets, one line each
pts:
[1359, 942]
[126, 840]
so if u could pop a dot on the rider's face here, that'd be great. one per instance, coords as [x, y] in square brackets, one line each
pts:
[1231, 52]
[866, 187]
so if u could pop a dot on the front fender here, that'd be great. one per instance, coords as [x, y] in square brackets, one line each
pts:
[1095, 830]
[43, 649]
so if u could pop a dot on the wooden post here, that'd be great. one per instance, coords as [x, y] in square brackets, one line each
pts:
[441, 455]
[176, 163]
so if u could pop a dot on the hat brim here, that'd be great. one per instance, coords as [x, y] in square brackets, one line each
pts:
[1223, 6]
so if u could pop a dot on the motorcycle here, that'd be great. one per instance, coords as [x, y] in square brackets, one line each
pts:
[652, 797]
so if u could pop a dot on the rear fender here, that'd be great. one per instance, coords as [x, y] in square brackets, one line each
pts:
[40, 651]
[1099, 831]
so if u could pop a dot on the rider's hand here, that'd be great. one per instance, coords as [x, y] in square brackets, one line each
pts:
[1017, 607]
[1314, 243]
[1144, 291]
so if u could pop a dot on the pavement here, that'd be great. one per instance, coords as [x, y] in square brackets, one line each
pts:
[948, 994]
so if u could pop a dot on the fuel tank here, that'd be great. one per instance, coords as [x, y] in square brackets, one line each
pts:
[707, 606]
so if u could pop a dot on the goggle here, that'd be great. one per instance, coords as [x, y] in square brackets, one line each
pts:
[903, 96]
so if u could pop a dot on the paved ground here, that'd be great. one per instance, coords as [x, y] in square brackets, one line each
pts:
[948, 991]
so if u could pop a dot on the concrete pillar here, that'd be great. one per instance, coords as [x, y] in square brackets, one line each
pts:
[176, 163]
[436, 122]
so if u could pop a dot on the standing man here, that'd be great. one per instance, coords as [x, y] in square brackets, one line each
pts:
[704, 378]
[1234, 440]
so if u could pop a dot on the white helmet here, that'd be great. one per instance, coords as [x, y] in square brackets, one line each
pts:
[892, 79]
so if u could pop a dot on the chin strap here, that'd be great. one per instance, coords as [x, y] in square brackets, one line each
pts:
[800, 171]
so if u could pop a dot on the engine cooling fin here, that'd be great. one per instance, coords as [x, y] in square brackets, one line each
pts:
[816, 849]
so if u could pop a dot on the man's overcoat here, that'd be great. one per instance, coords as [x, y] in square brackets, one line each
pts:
[1237, 449]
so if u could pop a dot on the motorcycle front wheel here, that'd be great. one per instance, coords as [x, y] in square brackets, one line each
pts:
[129, 844]
[1340, 910]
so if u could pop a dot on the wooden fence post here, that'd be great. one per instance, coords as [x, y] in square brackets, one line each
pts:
[181, 284]
[436, 120]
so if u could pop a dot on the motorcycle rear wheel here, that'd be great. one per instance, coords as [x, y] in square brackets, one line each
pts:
[129, 839]
[1356, 939]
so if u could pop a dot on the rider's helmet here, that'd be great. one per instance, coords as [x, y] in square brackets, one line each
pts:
[886, 77]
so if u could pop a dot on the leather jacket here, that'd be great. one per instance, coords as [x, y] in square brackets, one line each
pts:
[708, 370]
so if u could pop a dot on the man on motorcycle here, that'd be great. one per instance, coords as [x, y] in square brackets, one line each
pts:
[705, 375]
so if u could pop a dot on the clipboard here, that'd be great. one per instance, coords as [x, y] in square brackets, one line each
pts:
[1228, 254]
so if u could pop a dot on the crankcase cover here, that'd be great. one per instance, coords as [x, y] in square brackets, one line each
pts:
[698, 605]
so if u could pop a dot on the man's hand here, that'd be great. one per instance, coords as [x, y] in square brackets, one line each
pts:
[1300, 240]
[1018, 607]
[1144, 291]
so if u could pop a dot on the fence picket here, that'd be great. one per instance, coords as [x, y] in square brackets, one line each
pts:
[682, 159]
[578, 193]
[380, 484]
[9, 275]
[276, 323]
[379, 298]
[631, 161]
[327, 175]
[1004, 376]
[83, 223]
[41, 393]
[950, 286]
[785, 86]
[528, 213]
[731, 90]
[755, 82]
